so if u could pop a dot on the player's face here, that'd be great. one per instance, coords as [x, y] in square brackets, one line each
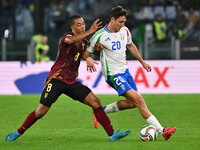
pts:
[79, 26]
[118, 23]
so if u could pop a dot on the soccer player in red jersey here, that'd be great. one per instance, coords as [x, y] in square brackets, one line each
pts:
[62, 79]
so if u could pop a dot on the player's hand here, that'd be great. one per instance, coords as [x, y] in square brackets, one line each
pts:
[147, 67]
[96, 25]
[98, 47]
[91, 64]
[91, 69]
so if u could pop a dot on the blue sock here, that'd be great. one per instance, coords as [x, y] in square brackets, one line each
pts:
[104, 107]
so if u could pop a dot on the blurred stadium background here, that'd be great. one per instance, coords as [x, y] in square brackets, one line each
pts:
[22, 19]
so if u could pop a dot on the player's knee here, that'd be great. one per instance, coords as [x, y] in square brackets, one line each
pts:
[96, 103]
[131, 104]
[40, 113]
[140, 101]
[92, 101]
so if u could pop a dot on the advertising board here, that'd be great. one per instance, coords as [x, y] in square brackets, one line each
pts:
[181, 76]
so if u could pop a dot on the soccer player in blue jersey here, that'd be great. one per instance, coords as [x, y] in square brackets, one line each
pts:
[114, 39]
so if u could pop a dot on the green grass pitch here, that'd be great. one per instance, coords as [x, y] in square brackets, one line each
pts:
[69, 124]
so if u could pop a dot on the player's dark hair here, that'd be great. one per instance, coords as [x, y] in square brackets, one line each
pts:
[117, 12]
[72, 18]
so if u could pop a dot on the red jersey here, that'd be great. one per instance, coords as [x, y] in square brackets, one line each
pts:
[68, 59]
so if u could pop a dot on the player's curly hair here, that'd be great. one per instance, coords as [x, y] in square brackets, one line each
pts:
[117, 12]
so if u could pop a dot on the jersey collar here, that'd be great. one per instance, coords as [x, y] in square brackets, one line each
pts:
[107, 29]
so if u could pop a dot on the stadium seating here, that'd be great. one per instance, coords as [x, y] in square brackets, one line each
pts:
[170, 12]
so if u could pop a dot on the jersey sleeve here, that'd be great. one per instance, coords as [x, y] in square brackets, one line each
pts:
[129, 37]
[64, 36]
[93, 41]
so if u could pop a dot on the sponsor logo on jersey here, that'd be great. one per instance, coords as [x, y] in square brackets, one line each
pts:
[83, 45]
[123, 87]
[107, 39]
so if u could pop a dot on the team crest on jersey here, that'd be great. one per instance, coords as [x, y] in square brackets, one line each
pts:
[123, 87]
[45, 95]
[122, 36]
[107, 39]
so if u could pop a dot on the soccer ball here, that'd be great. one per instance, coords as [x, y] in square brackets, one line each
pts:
[148, 133]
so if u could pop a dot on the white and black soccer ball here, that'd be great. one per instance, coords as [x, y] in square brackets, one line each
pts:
[148, 133]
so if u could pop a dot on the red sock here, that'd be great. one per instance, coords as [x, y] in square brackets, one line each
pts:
[30, 120]
[103, 120]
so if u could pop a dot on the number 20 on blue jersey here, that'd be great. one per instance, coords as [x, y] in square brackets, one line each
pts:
[116, 45]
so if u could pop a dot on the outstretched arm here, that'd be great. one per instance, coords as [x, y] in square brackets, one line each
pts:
[90, 62]
[134, 51]
[75, 38]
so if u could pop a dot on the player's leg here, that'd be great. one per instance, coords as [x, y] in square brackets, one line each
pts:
[121, 83]
[33, 117]
[118, 106]
[48, 97]
[138, 100]
[84, 95]
[103, 119]
[98, 111]
[29, 121]
[135, 98]
[115, 107]
[125, 85]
